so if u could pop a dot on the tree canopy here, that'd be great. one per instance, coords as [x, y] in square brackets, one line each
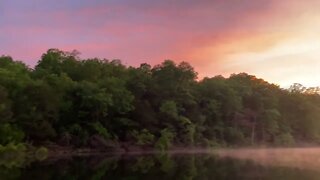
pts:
[73, 101]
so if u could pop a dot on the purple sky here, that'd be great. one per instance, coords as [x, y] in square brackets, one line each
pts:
[269, 38]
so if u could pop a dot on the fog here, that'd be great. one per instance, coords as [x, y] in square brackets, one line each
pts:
[302, 158]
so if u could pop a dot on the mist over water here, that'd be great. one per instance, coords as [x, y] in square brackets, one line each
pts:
[302, 158]
[287, 163]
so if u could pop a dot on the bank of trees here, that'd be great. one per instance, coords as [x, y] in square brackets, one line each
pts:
[94, 102]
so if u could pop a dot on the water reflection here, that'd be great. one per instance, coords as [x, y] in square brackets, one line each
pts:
[301, 158]
[221, 164]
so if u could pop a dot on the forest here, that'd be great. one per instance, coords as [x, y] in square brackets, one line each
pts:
[103, 104]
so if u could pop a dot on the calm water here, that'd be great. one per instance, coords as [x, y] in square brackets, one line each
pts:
[280, 164]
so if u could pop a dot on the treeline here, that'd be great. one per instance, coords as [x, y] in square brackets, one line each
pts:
[102, 103]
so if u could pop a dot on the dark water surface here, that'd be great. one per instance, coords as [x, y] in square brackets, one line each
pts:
[280, 164]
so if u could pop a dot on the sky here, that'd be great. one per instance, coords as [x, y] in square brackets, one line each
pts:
[278, 41]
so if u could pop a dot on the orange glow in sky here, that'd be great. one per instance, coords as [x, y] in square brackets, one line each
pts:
[278, 41]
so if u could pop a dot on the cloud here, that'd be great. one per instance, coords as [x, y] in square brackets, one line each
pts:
[213, 35]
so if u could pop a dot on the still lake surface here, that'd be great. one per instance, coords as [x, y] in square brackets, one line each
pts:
[288, 163]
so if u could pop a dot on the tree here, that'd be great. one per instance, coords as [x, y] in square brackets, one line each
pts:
[75, 101]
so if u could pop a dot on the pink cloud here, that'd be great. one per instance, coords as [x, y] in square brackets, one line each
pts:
[204, 33]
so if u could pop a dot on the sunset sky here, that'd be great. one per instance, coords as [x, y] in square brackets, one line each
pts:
[277, 40]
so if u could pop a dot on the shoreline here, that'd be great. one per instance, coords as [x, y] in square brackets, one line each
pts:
[82, 152]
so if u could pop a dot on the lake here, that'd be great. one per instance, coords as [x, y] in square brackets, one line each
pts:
[290, 163]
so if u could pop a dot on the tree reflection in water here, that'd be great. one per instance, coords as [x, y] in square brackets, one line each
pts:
[202, 166]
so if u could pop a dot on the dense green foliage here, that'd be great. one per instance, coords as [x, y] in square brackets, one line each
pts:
[95, 102]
